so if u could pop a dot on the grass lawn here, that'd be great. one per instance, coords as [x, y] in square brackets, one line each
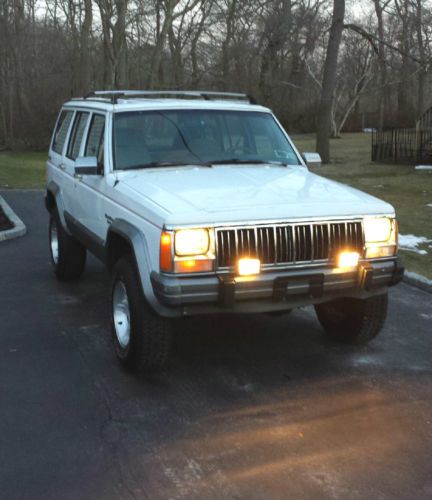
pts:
[408, 190]
[22, 170]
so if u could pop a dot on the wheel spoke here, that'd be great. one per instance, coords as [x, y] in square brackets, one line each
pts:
[121, 313]
[54, 242]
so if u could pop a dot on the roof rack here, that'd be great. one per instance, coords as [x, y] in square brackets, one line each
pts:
[114, 95]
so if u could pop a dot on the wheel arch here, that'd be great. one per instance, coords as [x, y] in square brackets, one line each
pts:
[54, 199]
[124, 238]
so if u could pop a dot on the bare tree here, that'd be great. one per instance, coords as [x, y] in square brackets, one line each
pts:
[286, 52]
[329, 79]
[113, 18]
[384, 101]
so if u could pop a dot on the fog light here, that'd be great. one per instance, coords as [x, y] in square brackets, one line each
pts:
[348, 259]
[248, 267]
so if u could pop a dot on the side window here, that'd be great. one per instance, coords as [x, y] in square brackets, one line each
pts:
[77, 134]
[95, 138]
[61, 131]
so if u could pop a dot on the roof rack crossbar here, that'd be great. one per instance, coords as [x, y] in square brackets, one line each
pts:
[114, 95]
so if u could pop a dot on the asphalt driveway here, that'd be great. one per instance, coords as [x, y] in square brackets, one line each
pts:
[251, 407]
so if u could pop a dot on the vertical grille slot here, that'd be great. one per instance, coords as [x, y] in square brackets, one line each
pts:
[288, 243]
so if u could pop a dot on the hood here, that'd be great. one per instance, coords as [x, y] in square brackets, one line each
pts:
[193, 195]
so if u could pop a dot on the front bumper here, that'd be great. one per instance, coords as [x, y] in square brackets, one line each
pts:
[274, 290]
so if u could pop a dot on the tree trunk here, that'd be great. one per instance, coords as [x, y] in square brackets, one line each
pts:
[330, 66]
[384, 92]
[85, 49]
[422, 53]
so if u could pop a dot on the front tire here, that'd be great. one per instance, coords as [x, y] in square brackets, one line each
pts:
[353, 321]
[142, 339]
[68, 255]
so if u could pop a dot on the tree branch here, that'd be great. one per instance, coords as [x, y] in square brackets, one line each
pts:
[373, 38]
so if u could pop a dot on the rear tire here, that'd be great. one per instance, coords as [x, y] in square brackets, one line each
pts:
[353, 321]
[68, 255]
[142, 339]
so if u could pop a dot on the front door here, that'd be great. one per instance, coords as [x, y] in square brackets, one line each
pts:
[90, 188]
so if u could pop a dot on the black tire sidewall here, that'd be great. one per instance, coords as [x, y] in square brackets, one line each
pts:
[150, 334]
[353, 321]
[71, 253]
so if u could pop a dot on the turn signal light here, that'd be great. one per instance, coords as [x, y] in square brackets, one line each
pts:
[193, 266]
[166, 260]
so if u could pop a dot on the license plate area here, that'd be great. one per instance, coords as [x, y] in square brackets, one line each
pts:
[314, 289]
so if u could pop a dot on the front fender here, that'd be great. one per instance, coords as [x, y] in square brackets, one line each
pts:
[138, 243]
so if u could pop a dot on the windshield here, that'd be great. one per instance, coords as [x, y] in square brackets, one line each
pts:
[199, 137]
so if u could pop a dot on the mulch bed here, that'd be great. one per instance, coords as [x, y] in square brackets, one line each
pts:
[5, 223]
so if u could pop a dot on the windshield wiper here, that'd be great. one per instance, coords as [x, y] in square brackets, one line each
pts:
[239, 161]
[154, 164]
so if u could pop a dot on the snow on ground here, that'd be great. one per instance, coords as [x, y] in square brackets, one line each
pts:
[429, 205]
[411, 242]
[423, 167]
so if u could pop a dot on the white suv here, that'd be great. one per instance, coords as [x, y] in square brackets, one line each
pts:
[199, 203]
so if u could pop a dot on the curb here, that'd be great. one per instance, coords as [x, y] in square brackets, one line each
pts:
[418, 281]
[19, 228]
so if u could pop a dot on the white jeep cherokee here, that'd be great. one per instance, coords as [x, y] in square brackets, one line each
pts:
[199, 203]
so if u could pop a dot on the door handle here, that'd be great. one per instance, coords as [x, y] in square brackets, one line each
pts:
[62, 166]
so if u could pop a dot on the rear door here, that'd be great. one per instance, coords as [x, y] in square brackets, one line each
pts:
[73, 150]
[57, 169]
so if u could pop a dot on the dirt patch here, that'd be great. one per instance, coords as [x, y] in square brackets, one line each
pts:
[5, 223]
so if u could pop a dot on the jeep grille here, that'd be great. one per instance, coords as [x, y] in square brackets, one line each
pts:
[287, 243]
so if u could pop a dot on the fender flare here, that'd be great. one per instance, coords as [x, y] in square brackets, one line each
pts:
[138, 243]
[55, 190]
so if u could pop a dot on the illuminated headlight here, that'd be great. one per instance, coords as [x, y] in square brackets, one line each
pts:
[192, 242]
[187, 251]
[380, 237]
[377, 229]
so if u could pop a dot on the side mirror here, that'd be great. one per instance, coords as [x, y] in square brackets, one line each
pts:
[87, 165]
[312, 159]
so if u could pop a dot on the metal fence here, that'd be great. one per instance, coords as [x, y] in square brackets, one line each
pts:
[402, 145]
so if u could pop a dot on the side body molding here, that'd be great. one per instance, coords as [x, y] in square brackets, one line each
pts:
[139, 245]
[55, 190]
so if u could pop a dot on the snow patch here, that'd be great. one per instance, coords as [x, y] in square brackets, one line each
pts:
[429, 205]
[423, 167]
[411, 242]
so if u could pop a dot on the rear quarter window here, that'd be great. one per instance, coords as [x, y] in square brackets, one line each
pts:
[61, 131]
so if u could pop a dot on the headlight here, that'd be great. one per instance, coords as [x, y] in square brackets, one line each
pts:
[187, 251]
[192, 242]
[380, 237]
[377, 229]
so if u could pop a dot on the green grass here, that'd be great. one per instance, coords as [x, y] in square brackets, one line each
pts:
[407, 189]
[22, 170]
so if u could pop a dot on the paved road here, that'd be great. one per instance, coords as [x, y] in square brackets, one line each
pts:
[251, 407]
